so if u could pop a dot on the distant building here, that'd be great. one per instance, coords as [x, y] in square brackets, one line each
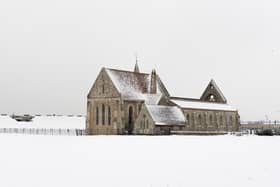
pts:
[124, 102]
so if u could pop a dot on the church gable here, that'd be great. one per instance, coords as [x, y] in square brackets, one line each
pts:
[165, 101]
[212, 93]
[103, 86]
[143, 116]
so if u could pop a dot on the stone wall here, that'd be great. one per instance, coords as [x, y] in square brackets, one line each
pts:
[104, 96]
[104, 116]
[166, 130]
[144, 123]
[211, 120]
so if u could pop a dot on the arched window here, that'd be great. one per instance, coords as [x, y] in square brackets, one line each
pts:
[97, 116]
[199, 120]
[192, 119]
[109, 115]
[188, 118]
[130, 115]
[103, 114]
[212, 98]
[139, 108]
[205, 120]
[103, 85]
[88, 106]
[211, 120]
[230, 121]
[129, 127]
[147, 124]
[221, 120]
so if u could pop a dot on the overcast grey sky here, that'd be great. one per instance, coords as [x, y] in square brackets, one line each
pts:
[51, 51]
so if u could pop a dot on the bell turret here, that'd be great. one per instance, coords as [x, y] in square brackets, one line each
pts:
[136, 68]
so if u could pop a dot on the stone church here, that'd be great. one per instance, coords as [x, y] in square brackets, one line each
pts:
[131, 102]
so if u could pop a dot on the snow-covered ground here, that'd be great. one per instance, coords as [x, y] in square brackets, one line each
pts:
[139, 161]
[49, 122]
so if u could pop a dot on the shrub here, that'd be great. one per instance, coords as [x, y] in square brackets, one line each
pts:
[265, 132]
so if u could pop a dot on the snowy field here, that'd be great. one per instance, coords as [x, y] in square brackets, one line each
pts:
[139, 161]
[49, 122]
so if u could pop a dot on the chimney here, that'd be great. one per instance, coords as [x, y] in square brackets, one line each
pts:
[153, 86]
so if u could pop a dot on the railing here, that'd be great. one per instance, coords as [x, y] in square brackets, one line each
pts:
[44, 131]
[270, 122]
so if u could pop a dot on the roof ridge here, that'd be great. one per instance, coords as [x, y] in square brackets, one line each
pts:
[126, 71]
[165, 106]
[204, 105]
[198, 100]
[185, 98]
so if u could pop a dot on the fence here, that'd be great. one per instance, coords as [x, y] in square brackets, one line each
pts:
[38, 131]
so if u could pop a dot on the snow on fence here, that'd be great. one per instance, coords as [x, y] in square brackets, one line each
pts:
[44, 125]
[44, 131]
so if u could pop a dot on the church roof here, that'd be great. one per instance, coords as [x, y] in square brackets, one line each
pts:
[133, 85]
[152, 99]
[166, 115]
[195, 104]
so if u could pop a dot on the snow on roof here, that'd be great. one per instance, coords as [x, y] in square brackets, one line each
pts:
[202, 105]
[152, 99]
[132, 85]
[166, 115]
